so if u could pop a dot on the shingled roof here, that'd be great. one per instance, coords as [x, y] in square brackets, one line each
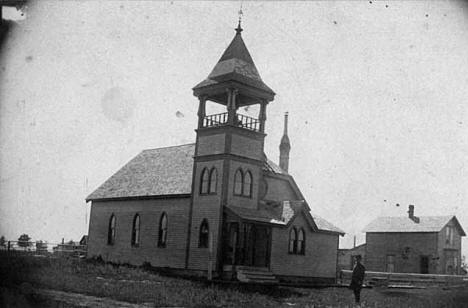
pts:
[325, 225]
[235, 64]
[157, 172]
[405, 224]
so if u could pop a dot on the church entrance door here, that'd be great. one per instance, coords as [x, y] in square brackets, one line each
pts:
[256, 245]
[246, 244]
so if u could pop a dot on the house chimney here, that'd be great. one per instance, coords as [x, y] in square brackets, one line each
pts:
[411, 211]
[285, 146]
[411, 214]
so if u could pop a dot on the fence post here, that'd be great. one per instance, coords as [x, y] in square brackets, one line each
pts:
[8, 245]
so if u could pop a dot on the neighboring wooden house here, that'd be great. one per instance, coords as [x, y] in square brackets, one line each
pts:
[219, 203]
[71, 248]
[426, 244]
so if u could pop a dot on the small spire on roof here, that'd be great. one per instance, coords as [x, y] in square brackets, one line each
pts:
[239, 28]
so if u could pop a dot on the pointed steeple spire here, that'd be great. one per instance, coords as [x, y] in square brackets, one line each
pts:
[236, 64]
[285, 146]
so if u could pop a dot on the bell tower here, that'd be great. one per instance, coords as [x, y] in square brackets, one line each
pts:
[229, 154]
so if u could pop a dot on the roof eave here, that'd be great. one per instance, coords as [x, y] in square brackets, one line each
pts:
[145, 197]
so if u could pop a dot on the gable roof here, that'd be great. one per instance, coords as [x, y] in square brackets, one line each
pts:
[405, 224]
[157, 172]
[235, 64]
[325, 225]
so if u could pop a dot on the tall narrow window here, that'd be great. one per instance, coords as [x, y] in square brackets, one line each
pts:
[247, 191]
[204, 235]
[111, 231]
[213, 180]
[292, 240]
[162, 237]
[136, 230]
[238, 182]
[301, 242]
[205, 181]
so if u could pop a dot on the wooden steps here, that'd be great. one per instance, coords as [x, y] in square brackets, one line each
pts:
[251, 274]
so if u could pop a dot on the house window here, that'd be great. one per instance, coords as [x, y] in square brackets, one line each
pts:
[111, 231]
[136, 230]
[301, 242]
[390, 264]
[213, 181]
[162, 237]
[204, 235]
[238, 182]
[247, 191]
[293, 240]
[205, 182]
[449, 235]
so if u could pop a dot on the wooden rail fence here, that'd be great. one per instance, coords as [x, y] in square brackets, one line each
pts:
[405, 280]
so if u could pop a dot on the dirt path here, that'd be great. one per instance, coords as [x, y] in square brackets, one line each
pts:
[27, 297]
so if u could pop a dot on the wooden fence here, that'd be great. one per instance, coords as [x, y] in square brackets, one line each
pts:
[405, 280]
[45, 248]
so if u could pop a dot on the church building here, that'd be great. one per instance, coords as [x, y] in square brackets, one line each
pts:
[219, 206]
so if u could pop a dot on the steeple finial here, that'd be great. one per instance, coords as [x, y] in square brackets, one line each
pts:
[239, 28]
[285, 132]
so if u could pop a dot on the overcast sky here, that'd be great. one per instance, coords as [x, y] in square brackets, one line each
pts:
[376, 92]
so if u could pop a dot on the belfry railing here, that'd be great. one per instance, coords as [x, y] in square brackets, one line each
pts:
[240, 120]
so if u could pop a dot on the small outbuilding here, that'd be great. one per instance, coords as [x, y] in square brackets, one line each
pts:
[426, 244]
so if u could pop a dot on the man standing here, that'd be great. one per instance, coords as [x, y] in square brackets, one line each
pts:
[357, 279]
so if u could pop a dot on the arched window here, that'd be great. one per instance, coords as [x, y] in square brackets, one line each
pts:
[111, 231]
[136, 230]
[205, 181]
[238, 182]
[292, 240]
[301, 242]
[162, 237]
[204, 235]
[247, 191]
[213, 180]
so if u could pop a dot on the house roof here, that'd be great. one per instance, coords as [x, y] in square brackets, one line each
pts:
[405, 224]
[157, 172]
[325, 225]
[288, 211]
[235, 64]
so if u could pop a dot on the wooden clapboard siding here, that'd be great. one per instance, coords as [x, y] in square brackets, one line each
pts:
[320, 257]
[173, 255]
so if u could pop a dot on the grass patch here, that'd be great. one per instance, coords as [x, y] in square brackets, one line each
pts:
[137, 285]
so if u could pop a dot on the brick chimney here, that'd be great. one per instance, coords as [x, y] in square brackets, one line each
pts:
[411, 214]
